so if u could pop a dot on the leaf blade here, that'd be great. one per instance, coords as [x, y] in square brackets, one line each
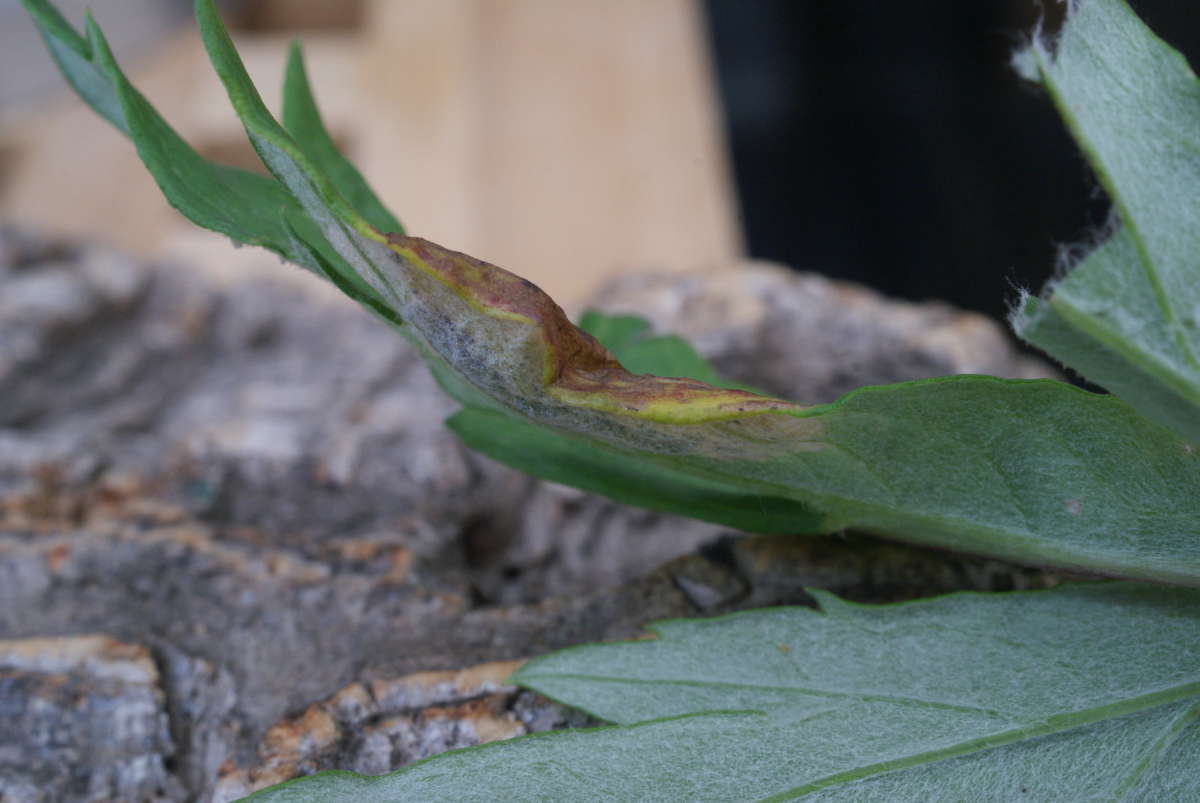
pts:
[359, 247]
[877, 460]
[965, 696]
[302, 119]
[559, 458]
[239, 204]
[1128, 316]
[75, 59]
[1034, 472]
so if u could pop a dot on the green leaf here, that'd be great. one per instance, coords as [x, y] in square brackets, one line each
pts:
[1031, 471]
[1035, 472]
[1128, 316]
[76, 61]
[237, 203]
[969, 463]
[618, 333]
[628, 338]
[360, 248]
[303, 121]
[576, 462]
[1085, 692]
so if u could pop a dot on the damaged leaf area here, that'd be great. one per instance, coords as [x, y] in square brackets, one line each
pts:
[1030, 471]
[517, 344]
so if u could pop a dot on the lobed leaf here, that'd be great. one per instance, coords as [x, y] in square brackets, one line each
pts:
[1036, 472]
[1085, 692]
[1018, 470]
[1128, 316]
[237, 203]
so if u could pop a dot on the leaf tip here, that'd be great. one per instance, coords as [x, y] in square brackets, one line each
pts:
[1025, 63]
[97, 45]
[295, 61]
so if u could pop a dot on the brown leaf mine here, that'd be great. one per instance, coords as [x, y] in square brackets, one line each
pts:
[512, 341]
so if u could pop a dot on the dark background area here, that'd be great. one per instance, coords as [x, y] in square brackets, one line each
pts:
[892, 144]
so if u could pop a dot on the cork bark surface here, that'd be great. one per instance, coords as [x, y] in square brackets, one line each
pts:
[233, 528]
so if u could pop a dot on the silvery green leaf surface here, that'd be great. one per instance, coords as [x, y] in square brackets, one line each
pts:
[1128, 315]
[1084, 692]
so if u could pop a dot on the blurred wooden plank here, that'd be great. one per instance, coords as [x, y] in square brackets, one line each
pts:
[70, 171]
[295, 15]
[563, 140]
[421, 91]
